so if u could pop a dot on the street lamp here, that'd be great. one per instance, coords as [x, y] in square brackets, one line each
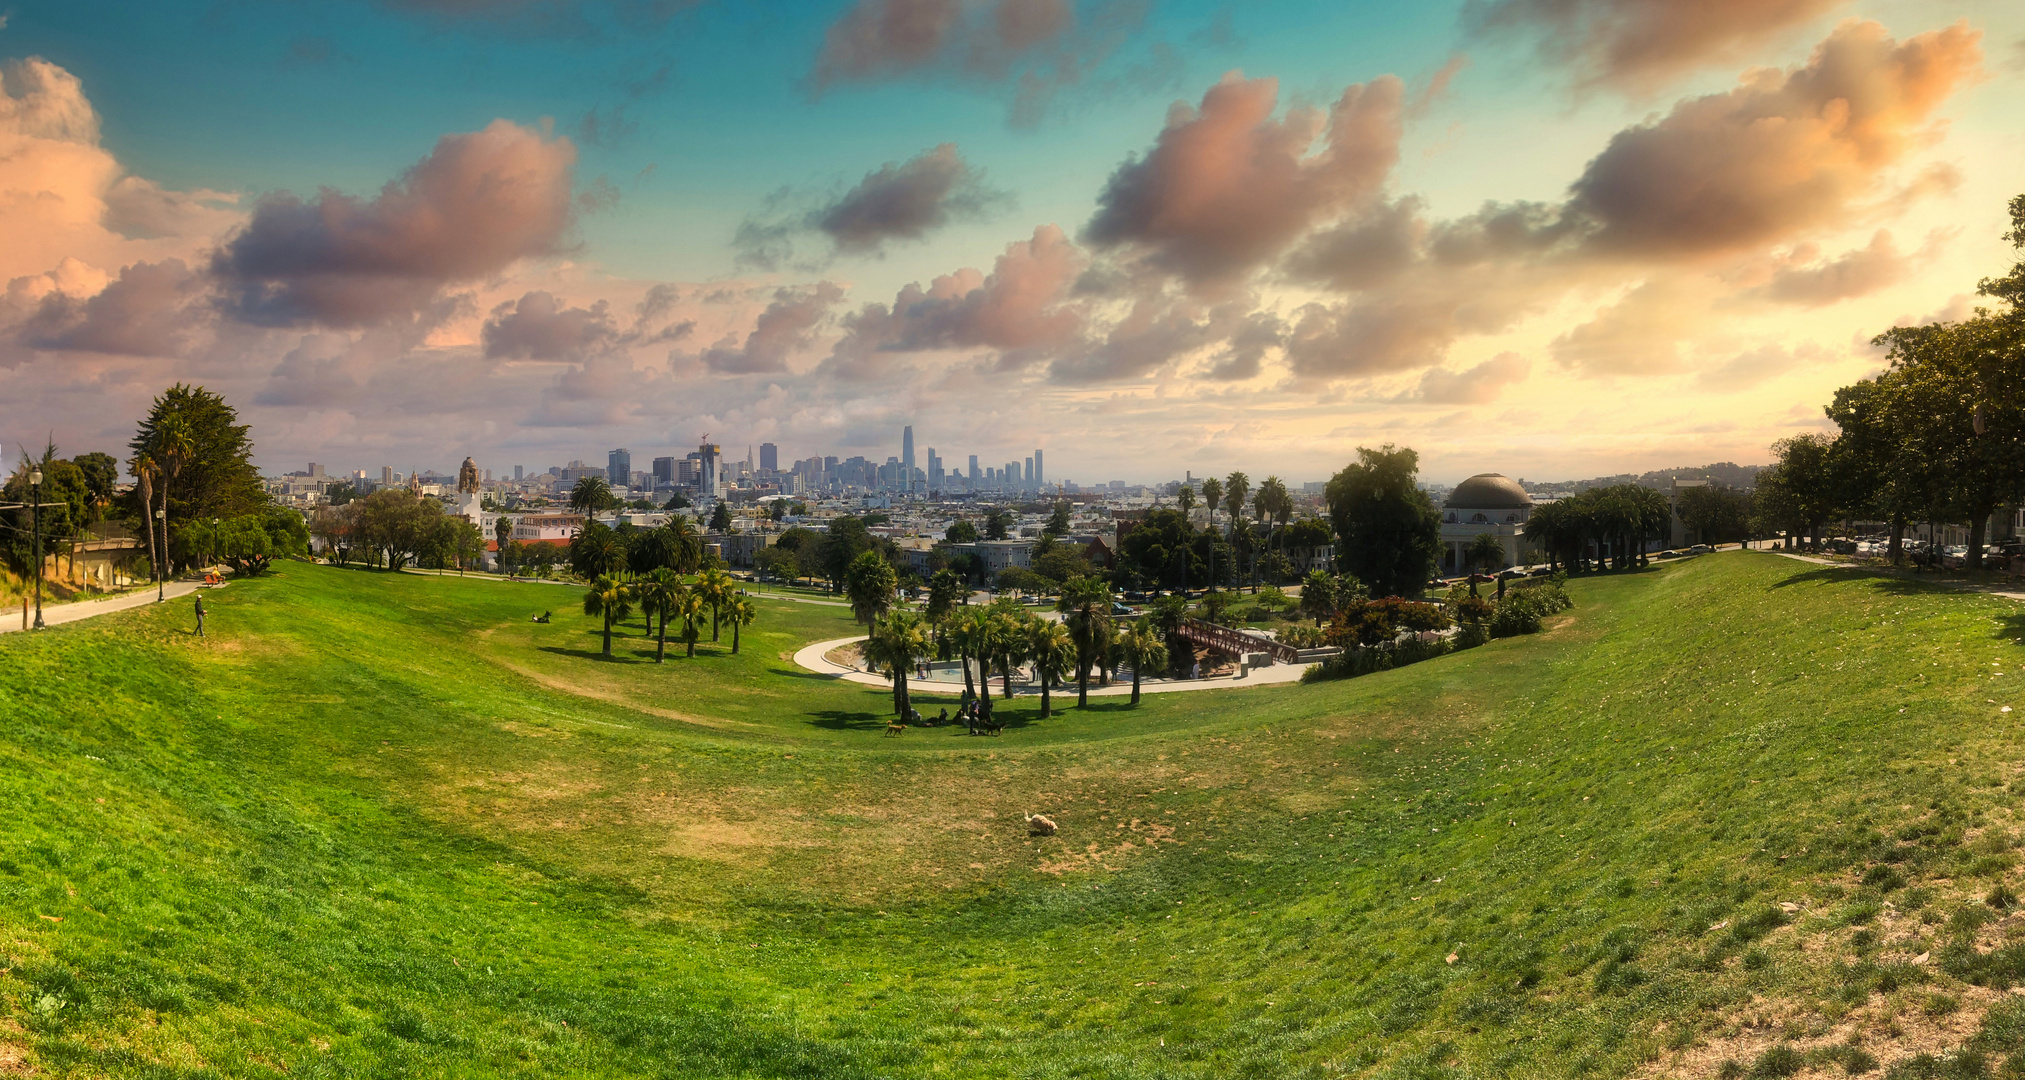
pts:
[162, 571]
[35, 487]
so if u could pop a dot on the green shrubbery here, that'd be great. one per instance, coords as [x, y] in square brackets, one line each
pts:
[1370, 632]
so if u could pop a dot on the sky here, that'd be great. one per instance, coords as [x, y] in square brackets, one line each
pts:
[1549, 238]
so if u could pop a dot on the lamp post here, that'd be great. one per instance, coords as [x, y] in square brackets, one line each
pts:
[35, 487]
[162, 571]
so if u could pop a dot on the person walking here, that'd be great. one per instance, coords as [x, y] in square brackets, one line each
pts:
[200, 614]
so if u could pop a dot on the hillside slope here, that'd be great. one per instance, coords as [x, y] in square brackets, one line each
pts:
[382, 824]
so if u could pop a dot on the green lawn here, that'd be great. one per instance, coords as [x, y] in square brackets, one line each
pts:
[384, 825]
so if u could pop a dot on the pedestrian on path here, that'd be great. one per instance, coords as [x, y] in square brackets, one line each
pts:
[200, 614]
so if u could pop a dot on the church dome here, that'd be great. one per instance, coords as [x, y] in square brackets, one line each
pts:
[1489, 491]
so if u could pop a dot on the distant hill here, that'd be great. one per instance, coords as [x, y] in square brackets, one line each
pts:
[1727, 473]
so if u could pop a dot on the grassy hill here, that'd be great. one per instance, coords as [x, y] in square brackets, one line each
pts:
[1735, 812]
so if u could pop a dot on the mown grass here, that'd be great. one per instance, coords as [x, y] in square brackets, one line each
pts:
[384, 825]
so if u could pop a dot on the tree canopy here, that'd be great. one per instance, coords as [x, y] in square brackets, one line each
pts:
[1388, 529]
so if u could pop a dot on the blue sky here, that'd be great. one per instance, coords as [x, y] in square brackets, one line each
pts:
[701, 114]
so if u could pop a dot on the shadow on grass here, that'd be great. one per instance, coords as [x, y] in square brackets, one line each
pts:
[592, 654]
[1892, 583]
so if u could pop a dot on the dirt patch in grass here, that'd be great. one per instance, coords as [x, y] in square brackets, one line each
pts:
[566, 686]
[851, 655]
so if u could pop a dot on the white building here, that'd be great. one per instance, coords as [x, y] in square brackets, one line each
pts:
[1485, 503]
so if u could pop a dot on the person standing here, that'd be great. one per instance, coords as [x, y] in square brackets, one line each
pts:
[200, 614]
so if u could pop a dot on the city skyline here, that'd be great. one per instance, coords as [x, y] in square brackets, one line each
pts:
[1541, 239]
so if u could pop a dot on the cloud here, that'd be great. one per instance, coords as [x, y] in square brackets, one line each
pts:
[1020, 308]
[897, 201]
[1479, 385]
[1038, 47]
[151, 309]
[1754, 366]
[785, 327]
[1639, 334]
[1226, 187]
[1807, 283]
[1639, 45]
[1781, 153]
[478, 203]
[1243, 356]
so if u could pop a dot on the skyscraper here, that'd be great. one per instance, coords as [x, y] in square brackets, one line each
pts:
[518, 474]
[975, 476]
[619, 468]
[706, 468]
[1040, 474]
[907, 459]
[769, 457]
[1030, 474]
[664, 471]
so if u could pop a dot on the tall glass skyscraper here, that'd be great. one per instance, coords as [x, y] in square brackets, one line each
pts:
[619, 468]
[907, 459]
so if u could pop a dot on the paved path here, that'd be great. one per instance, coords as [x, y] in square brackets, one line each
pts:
[52, 615]
[811, 657]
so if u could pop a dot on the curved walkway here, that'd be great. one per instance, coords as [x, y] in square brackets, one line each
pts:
[812, 657]
[55, 614]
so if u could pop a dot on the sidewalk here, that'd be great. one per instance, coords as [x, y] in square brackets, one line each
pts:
[53, 615]
[1880, 571]
[811, 658]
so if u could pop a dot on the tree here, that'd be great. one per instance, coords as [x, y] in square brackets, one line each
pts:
[397, 524]
[1236, 487]
[945, 590]
[997, 522]
[898, 641]
[689, 607]
[591, 495]
[1798, 493]
[720, 517]
[1485, 553]
[969, 630]
[596, 550]
[1389, 529]
[1318, 596]
[502, 535]
[101, 473]
[1058, 519]
[609, 597]
[1715, 513]
[1020, 580]
[740, 612]
[869, 584]
[677, 501]
[845, 540]
[776, 561]
[1060, 562]
[717, 589]
[776, 511]
[1087, 602]
[1185, 498]
[206, 456]
[1140, 647]
[962, 532]
[659, 593]
[1049, 648]
[1005, 641]
[1212, 497]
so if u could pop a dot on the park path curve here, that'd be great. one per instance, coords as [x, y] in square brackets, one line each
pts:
[10, 622]
[813, 658]
[1957, 586]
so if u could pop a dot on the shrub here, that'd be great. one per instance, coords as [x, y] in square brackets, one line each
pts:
[1780, 1060]
[1524, 609]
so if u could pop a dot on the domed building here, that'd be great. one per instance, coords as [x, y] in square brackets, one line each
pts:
[1485, 503]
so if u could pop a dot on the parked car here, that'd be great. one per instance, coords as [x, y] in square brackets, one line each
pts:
[1122, 609]
[1700, 549]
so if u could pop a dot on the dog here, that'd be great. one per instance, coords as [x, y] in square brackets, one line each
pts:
[896, 727]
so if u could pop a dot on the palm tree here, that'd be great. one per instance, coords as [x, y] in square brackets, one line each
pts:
[1318, 595]
[1212, 496]
[1236, 487]
[899, 640]
[1486, 553]
[1185, 499]
[1053, 654]
[658, 593]
[717, 589]
[1141, 646]
[689, 607]
[610, 597]
[1004, 642]
[968, 628]
[739, 612]
[1087, 603]
[173, 449]
[869, 583]
[597, 550]
[143, 468]
[684, 547]
[591, 495]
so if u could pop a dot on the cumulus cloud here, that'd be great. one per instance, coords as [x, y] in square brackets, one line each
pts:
[785, 327]
[897, 201]
[1039, 47]
[151, 309]
[1020, 307]
[1754, 366]
[1227, 186]
[1638, 45]
[1783, 152]
[1478, 385]
[1808, 281]
[478, 203]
